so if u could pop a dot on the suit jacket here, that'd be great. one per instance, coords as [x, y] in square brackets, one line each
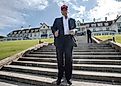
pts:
[89, 32]
[58, 25]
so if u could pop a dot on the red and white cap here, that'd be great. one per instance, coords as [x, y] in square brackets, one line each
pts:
[64, 7]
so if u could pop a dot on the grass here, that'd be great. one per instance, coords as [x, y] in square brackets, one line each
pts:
[9, 48]
[49, 40]
[104, 37]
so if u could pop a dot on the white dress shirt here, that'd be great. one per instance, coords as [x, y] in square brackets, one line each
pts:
[66, 26]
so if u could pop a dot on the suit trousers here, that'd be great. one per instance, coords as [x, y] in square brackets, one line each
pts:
[64, 47]
[89, 39]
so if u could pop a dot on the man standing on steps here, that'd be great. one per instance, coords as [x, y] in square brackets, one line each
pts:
[89, 36]
[63, 30]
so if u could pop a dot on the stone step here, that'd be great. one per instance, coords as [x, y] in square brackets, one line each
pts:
[86, 67]
[27, 78]
[77, 56]
[6, 84]
[81, 53]
[81, 50]
[44, 81]
[88, 44]
[75, 61]
[89, 75]
[82, 47]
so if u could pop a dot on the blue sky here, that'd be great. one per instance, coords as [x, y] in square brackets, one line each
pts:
[17, 13]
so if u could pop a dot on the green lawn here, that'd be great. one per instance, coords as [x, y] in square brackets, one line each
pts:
[117, 37]
[12, 47]
[49, 40]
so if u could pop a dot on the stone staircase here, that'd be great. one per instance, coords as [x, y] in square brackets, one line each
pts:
[93, 64]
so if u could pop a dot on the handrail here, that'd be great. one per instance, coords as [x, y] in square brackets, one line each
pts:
[8, 60]
[116, 46]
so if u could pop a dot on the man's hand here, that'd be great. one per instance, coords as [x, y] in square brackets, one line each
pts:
[56, 33]
[72, 32]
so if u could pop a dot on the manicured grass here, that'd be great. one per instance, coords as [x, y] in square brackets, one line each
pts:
[9, 48]
[117, 37]
[49, 40]
[12, 47]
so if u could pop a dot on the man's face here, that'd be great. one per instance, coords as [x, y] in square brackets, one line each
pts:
[64, 12]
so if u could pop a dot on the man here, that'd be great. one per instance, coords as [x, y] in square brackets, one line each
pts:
[63, 33]
[89, 38]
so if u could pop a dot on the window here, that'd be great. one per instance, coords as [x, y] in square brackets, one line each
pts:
[78, 24]
[35, 34]
[87, 25]
[103, 34]
[44, 32]
[30, 34]
[94, 30]
[100, 24]
[106, 24]
[119, 25]
[93, 25]
[107, 28]
[119, 30]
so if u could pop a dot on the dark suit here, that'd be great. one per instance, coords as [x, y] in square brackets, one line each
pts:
[64, 47]
[89, 33]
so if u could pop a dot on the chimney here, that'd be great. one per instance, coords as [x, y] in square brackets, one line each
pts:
[94, 20]
[29, 26]
[82, 20]
[41, 23]
[106, 19]
[22, 27]
[117, 16]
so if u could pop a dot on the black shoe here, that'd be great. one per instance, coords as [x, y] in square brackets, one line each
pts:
[58, 82]
[69, 82]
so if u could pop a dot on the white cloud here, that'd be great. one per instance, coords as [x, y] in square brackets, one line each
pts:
[12, 12]
[105, 8]
[61, 2]
[36, 4]
[73, 4]
[79, 12]
[85, 0]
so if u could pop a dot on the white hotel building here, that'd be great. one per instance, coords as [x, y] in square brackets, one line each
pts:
[44, 31]
[102, 27]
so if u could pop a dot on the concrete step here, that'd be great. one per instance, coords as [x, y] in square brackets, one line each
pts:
[81, 47]
[88, 44]
[6, 84]
[44, 81]
[77, 56]
[81, 50]
[81, 53]
[89, 75]
[27, 78]
[75, 61]
[86, 67]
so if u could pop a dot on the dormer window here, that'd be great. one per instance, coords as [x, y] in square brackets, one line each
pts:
[93, 25]
[106, 24]
[100, 24]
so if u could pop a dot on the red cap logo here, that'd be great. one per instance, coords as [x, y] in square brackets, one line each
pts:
[64, 7]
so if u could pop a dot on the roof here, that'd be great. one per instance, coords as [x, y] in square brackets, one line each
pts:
[103, 23]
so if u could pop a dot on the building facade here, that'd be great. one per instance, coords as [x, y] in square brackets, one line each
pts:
[44, 31]
[101, 28]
